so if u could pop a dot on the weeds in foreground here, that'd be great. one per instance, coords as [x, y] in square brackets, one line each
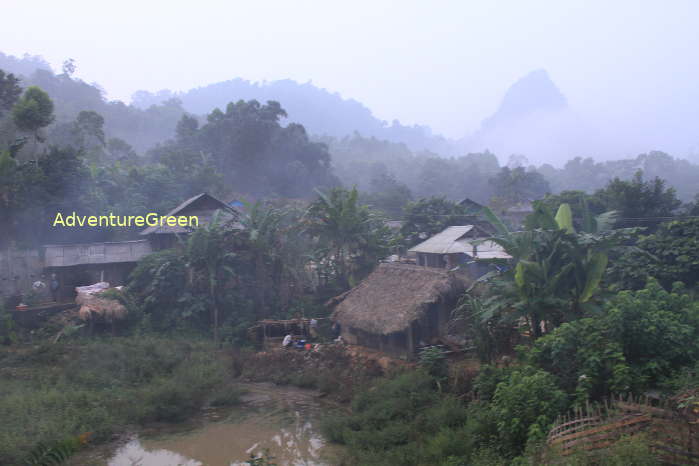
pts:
[103, 387]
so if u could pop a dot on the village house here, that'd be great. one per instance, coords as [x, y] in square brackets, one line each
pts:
[204, 207]
[401, 307]
[112, 262]
[515, 214]
[398, 308]
[464, 246]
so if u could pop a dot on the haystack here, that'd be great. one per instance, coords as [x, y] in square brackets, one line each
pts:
[94, 305]
[393, 296]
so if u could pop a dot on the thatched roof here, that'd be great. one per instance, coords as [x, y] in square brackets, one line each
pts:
[394, 296]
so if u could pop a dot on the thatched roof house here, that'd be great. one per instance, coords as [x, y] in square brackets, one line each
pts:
[398, 307]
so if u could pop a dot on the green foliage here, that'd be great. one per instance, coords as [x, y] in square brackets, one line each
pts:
[426, 217]
[488, 379]
[639, 203]
[388, 195]
[631, 450]
[159, 284]
[564, 218]
[52, 455]
[254, 152]
[658, 330]
[390, 424]
[513, 185]
[585, 361]
[33, 111]
[557, 272]
[7, 326]
[434, 361]
[351, 237]
[642, 338]
[9, 91]
[274, 252]
[526, 404]
[675, 245]
[100, 388]
[227, 395]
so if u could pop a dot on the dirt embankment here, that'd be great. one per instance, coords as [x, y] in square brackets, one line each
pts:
[336, 371]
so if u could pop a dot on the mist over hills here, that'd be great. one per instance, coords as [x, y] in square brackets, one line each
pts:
[534, 118]
[322, 112]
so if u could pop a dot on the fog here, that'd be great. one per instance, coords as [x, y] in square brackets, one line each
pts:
[627, 70]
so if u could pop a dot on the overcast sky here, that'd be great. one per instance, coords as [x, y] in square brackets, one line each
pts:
[446, 64]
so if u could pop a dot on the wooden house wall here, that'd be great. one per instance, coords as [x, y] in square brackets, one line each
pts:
[116, 274]
[431, 325]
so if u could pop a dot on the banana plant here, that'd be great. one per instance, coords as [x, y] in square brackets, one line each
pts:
[208, 252]
[556, 270]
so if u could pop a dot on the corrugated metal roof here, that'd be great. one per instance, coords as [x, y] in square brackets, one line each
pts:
[452, 241]
[487, 250]
[444, 242]
[227, 214]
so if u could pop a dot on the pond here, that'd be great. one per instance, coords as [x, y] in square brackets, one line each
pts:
[284, 421]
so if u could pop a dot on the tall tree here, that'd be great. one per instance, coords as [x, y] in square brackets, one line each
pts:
[639, 202]
[513, 185]
[254, 153]
[426, 217]
[209, 253]
[351, 238]
[9, 91]
[32, 112]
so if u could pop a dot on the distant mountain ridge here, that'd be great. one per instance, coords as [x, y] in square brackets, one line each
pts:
[534, 120]
[322, 112]
[533, 93]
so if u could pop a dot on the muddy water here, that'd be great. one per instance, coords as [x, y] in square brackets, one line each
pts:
[282, 420]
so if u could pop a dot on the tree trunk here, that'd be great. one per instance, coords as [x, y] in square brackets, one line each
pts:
[212, 293]
[260, 285]
[536, 326]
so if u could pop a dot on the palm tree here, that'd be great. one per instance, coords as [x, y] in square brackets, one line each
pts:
[277, 246]
[208, 251]
[350, 236]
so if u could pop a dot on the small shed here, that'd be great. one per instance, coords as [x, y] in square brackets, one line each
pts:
[204, 206]
[398, 307]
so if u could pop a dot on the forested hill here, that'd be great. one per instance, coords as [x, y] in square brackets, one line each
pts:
[153, 116]
[141, 128]
[320, 111]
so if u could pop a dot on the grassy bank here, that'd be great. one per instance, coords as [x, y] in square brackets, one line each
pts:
[331, 370]
[98, 388]
[408, 420]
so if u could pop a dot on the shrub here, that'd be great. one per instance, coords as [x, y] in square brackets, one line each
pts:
[525, 405]
[228, 395]
[65, 390]
[403, 421]
[434, 361]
